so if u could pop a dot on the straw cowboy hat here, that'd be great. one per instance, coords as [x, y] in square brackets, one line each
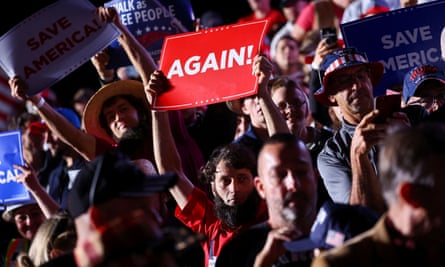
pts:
[91, 114]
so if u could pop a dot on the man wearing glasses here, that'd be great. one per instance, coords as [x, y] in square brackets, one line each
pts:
[347, 163]
[293, 104]
[425, 86]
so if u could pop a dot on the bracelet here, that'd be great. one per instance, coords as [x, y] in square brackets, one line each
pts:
[315, 66]
[41, 103]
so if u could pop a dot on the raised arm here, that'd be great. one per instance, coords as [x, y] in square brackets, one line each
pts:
[365, 185]
[100, 62]
[29, 179]
[262, 68]
[82, 142]
[166, 154]
[136, 52]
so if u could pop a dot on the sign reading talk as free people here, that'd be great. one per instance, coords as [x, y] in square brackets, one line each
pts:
[53, 42]
[210, 66]
[401, 39]
[150, 21]
[11, 153]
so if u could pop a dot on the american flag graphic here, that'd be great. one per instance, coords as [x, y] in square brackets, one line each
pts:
[334, 238]
[8, 105]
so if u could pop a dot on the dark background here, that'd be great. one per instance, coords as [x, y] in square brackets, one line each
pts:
[85, 76]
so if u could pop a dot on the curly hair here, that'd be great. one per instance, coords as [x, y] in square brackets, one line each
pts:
[236, 155]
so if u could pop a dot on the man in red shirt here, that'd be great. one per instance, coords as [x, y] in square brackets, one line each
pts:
[230, 173]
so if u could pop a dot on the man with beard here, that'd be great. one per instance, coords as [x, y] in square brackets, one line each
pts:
[287, 183]
[229, 172]
[347, 162]
[117, 111]
[113, 110]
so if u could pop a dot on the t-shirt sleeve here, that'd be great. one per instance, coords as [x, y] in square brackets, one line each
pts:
[335, 172]
[198, 212]
[306, 18]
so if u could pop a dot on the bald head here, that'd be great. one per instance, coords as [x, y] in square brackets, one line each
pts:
[287, 182]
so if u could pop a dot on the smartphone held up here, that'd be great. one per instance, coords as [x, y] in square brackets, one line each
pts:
[330, 34]
[386, 105]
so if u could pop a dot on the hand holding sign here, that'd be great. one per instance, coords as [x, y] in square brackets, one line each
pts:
[157, 85]
[53, 42]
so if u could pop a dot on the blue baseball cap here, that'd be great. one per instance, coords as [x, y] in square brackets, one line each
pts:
[417, 75]
[335, 223]
[339, 60]
[70, 115]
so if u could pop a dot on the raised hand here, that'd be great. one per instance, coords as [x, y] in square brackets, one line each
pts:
[157, 85]
[27, 177]
[18, 88]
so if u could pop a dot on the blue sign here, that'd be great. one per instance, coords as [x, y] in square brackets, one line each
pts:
[10, 154]
[150, 22]
[401, 39]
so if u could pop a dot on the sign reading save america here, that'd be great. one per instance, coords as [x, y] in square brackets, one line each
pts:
[401, 39]
[210, 66]
[53, 42]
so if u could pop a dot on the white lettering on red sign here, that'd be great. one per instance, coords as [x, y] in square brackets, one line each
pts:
[225, 60]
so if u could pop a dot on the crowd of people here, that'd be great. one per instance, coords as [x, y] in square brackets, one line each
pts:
[305, 172]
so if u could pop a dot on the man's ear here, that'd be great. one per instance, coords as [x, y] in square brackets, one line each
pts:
[259, 187]
[411, 194]
[244, 110]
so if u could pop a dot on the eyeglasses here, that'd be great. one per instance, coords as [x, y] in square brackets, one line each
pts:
[350, 78]
[294, 105]
[428, 101]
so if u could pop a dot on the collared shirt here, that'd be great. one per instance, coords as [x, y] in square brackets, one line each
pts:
[200, 216]
[334, 163]
[61, 179]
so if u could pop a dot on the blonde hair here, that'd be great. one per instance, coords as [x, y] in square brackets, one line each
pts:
[55, 233]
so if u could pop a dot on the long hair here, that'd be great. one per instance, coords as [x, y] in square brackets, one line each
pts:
[56, 232]
[142, 110]
[237, 155]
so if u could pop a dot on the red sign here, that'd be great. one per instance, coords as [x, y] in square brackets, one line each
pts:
[210, 66]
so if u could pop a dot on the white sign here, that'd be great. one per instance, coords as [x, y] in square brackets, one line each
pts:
[53, 42]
